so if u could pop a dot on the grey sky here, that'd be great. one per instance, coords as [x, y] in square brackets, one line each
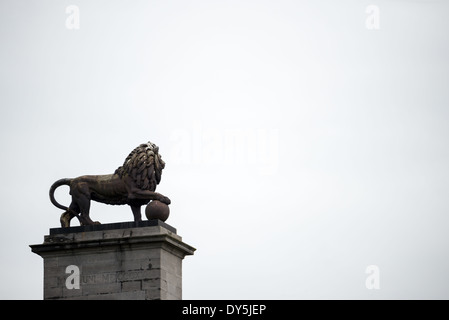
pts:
[301, 147]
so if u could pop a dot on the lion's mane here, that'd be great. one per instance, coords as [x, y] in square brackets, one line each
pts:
[144, 165]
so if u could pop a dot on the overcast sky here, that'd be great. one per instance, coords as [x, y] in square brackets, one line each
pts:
[304, 140]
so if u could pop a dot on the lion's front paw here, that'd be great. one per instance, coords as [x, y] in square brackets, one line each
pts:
[165, 200]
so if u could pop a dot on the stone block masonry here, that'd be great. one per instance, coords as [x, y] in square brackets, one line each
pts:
[120, 261]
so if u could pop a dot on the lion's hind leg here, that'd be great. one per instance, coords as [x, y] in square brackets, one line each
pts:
[81, 203]
[66, 217]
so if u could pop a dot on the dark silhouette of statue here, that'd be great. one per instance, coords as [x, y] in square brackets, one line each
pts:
[134, 184]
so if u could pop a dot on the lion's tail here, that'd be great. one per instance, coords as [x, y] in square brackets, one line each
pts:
[53, 187]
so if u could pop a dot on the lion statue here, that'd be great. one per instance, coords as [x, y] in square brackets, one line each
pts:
[133, 184]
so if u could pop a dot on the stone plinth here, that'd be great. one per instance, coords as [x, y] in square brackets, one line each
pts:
[137, 261]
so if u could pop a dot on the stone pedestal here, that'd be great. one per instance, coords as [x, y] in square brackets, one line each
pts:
[136, 261]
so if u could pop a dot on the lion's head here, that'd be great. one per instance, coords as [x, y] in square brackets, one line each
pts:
[144, 165]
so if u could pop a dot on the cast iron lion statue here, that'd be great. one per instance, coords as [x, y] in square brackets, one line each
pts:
[133, 184]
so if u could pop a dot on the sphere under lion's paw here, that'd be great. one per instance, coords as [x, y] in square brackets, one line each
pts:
[157, 210]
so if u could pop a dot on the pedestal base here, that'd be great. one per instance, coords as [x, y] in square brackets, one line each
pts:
[137, 261]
